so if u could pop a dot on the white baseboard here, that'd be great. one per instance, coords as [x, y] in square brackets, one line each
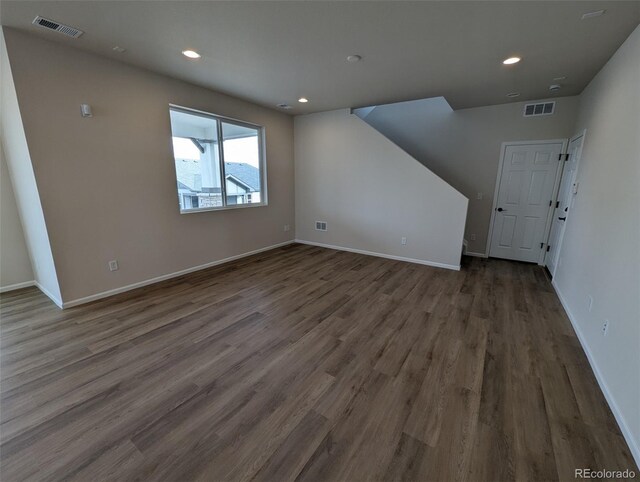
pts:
[53, 298]
[624, 427]
[381, 255]
[157, 279]
[17, 286]
[476, 255]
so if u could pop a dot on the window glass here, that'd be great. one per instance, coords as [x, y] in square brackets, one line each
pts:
[197, 160]
[241, 146]
[201, 163]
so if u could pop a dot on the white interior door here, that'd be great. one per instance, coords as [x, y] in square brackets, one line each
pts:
[565, 202]
[524, 196]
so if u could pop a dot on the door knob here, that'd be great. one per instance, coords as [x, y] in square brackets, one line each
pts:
[500, 210]
[563, 219]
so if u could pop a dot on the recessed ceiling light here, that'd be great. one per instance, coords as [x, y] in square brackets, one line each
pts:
[303, 100]
[354, 58]
[283, 106]
[192, 54]
[120, 50]
[511, 60]
[513, 94]
[597, 13]
[555, 87]
[559, 78]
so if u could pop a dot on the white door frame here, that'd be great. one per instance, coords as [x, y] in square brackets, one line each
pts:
[556, 185]
[582, 134]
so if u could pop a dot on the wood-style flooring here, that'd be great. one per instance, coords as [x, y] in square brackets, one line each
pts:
[304, 363]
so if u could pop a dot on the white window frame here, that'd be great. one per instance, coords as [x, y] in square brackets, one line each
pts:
[223, 177]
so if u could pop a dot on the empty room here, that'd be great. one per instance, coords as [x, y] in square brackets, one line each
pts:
[319, 240]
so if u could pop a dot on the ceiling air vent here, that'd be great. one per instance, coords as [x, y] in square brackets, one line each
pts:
[57, 27]
[545, 108]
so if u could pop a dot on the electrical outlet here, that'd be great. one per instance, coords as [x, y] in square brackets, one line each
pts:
[403, 240]
[605, 327]
[590, 302]
[472, 237]
[287, 227]
[113, 265]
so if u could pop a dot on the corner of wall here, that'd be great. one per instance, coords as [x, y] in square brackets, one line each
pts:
[15, 262]
[18, 160]
[599, 258]
[371, 192]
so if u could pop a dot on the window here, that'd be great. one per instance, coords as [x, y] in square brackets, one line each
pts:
[219, 162]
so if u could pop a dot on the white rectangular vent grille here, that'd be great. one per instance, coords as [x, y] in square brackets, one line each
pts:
[57, 27]
[545, 108]
[321, 226]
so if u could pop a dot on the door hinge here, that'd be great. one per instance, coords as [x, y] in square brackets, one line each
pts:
[548, 248]
[566, 156]
[541, 245]
[550, 203]
[557, 204]
[560, 156]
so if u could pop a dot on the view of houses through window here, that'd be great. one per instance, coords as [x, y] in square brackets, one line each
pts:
[201, 162]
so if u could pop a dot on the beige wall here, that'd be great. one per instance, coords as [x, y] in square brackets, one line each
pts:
[25, 189]
[15, 266]
[600, 255]
[107, 183]
[371, 193]
[463, 146]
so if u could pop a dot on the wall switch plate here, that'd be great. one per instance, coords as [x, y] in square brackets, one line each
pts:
[113, 265]
[590, 302]
[403, 240]
[472, 237]
[605, 327]
[287, 227]
[479, 196]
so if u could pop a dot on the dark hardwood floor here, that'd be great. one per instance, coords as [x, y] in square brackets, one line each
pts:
[304, 363]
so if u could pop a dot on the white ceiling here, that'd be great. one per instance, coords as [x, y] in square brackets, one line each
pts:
[272, 52]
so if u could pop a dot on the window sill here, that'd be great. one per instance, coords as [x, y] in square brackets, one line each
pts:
[223, 208]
